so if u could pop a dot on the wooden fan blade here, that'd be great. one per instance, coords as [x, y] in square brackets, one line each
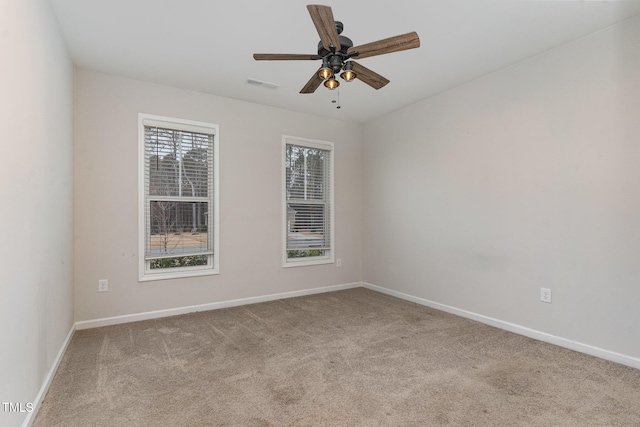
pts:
[392, 44]
[312, 84]
[283, 57]
[322, 18]
[369, 77]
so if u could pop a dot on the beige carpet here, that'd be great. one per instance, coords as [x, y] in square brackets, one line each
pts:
[348, 358]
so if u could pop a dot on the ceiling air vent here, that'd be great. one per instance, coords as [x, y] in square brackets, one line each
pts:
[262, 84]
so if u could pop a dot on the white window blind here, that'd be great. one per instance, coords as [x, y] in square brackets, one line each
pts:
[308, 200]
[178, 196]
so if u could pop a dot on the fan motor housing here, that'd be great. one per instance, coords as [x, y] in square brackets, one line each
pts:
[345, 44]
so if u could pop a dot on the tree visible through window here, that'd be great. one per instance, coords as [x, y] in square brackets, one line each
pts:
[178, 197]
[308, 200]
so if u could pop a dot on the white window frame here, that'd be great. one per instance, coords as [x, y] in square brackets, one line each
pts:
[212, 267]
[328, 258]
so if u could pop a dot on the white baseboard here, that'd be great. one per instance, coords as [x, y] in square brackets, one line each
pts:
[96, 323]
[31, 416]
[612, 356]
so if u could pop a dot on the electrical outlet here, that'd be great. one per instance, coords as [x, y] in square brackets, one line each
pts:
[339, 262]
[545, 295]
[103, 285]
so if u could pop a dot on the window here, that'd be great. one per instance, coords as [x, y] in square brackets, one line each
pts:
[178, 204]
[308, 201]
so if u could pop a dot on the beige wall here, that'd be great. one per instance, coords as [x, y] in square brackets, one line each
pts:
[106, 198]
[526, 178]
[36, 199]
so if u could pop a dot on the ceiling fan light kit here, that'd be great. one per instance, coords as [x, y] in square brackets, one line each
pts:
[325, 72]
[336, 52]
[331, 83]
[348, 74]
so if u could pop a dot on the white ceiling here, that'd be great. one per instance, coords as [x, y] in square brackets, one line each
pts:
[207, 45]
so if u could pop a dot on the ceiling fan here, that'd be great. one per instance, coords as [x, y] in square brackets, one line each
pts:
[336, 52]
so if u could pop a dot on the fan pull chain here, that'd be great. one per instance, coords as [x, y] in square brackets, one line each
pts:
[337, 101]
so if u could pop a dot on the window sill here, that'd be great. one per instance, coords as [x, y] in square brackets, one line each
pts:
[307, 261]
[148, 277]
